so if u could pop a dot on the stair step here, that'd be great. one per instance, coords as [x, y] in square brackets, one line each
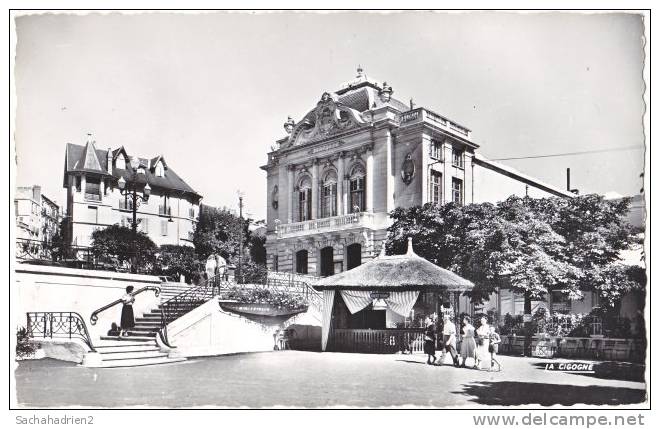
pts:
[147, 322]
[139, 328]
[139, 362]
[129, 338]
[141, 334]
[133, 355]
[118, 349]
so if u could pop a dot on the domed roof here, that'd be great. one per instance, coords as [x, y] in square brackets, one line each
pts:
[408, 271]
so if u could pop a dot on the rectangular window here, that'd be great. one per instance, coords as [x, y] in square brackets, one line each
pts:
[560, 302]
[329, 200]
[191, 212]
[436, 187]
[16, 208]
[357, 195]
[275, 263]
[457, 190]
[163, 227]
[93, 189]
[94, 214]
[457, 158]
[144, 223]
[164, 208]
[435, 150]
[126, 203]
[77, 180]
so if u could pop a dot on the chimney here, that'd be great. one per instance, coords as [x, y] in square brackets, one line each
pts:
[109, 168]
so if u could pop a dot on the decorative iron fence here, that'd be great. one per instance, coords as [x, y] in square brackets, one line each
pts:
[70, 256]
[58, 324]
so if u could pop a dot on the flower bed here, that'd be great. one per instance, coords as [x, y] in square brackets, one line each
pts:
[261, 295]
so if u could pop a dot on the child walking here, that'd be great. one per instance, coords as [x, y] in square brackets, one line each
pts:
[494, 340]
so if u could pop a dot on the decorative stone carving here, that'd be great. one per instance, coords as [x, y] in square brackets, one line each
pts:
[328, 118]
[275, 197]
[408, 170]
[289, 124]
[385, 93]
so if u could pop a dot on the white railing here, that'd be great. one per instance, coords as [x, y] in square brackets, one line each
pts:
[326, 224]
[424, 115]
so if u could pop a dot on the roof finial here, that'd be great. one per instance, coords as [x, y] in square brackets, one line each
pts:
[382, 250]
[410, 247]
[360, 71]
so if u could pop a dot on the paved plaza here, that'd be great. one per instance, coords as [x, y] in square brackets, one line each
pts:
[307, 379]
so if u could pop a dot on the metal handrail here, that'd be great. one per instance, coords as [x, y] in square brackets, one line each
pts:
[58, 324]
[95, 315]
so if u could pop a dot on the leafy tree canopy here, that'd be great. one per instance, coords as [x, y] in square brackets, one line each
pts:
[219, 231]
[530, 245]
[175, 261]
[116, 242]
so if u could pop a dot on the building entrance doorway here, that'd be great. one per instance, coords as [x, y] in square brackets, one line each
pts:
[327, 263]
[301, 262]
[353, 256]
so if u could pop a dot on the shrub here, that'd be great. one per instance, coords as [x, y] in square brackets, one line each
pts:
[24, 347]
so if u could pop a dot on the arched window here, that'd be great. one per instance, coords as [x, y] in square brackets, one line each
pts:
[329, 194]
[160, 170]
[357, 194]
[304, 199]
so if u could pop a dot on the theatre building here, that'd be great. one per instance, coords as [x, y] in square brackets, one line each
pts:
[354, 157]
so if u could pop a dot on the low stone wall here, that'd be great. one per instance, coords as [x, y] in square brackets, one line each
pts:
[631, 350]
[45, 288]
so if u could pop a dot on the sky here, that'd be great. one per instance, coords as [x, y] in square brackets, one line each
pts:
[211, 91]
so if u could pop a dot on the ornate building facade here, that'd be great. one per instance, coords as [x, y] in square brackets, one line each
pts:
[353, 158]
[94, 200]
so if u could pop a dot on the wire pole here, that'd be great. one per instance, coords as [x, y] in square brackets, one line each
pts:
[240, 242]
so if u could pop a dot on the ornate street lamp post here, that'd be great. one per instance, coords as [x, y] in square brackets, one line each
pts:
[129, 188]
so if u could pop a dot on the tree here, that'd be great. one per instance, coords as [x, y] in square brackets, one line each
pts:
[179, 260]
[531, 246]
[116, 242]
[218, 231]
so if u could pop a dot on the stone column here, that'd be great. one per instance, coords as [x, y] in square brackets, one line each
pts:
[389, 188]
[83, 184]
[340, 184]
[315, 188]
[370, 179]
[289, 193]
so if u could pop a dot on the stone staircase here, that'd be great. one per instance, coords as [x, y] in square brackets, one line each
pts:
[169, 290]
[116, 352]
[142, 346]
[139, 347]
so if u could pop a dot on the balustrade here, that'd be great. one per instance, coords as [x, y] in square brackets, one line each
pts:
[329, 223]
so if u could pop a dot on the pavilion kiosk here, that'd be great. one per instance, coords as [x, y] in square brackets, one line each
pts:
[380, 306]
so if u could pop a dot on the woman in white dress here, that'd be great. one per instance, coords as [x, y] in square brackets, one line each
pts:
[482, 335]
